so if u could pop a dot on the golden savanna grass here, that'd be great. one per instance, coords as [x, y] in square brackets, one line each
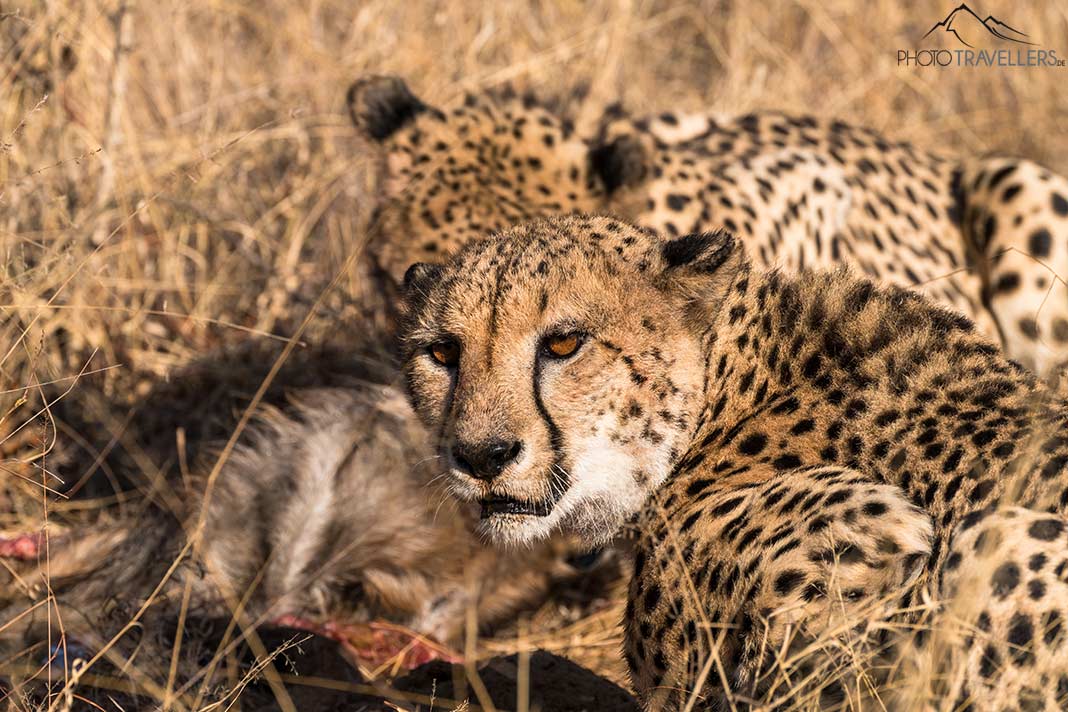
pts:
[180, 175]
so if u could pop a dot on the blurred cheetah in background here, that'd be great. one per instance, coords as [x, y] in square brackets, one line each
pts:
[987, 237]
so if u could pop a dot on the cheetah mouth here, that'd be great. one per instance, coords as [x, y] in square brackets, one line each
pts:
[495, 506]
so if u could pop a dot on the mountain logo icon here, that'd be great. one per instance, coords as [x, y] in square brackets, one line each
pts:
[971, 30]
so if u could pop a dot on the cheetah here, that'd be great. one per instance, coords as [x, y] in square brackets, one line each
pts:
[805, 462]
[986, 237]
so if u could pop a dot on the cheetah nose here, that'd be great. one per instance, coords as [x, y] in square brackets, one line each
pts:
[486, 460]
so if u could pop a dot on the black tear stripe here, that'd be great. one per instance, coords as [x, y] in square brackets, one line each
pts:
[447, 408]
[556, 438]
[447, 416]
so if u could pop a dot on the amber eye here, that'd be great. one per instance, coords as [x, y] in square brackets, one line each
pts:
[562, 345]
[447, 353]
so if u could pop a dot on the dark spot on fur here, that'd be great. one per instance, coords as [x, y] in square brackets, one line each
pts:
[1005, 579]
[1040, 242]
[787, 581]
[1060, 205]
[753, 444]
[1046, 529]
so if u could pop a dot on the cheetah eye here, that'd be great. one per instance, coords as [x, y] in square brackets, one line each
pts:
[446, 352]
[562, 345]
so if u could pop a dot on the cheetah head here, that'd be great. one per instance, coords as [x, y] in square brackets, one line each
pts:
[447, 177]
[561, 366]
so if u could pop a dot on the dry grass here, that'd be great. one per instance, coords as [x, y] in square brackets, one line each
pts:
[179, 175]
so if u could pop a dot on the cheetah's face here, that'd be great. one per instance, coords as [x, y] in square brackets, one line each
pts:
[560, 366]
[446, 178]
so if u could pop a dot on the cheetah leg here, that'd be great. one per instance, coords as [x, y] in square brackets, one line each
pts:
[787, 571]
[1016, 232]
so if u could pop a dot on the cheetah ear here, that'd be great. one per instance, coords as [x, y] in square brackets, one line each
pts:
[701, 252]
[379, 105]
[419, 277]
[701, 267]
[620, 163]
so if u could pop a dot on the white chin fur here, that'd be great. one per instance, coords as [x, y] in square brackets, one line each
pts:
[603, 495]
[518, 530]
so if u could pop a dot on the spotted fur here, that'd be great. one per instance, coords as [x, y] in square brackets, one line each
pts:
[986, 237]
[446, 177]
[1006, 580]
[800, 457]
[977, 235]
